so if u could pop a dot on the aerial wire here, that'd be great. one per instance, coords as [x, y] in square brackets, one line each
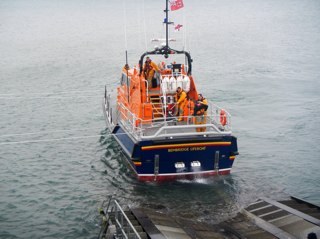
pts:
[125, 25]
[126, 45]
[184, 29]
[184, 33]
[144, 25]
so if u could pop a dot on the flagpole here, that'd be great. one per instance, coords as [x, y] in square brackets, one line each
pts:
[167, 20]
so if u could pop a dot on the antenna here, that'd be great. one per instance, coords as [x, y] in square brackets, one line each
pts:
[127, 68]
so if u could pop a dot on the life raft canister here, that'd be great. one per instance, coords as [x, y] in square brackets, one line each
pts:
[223, 117]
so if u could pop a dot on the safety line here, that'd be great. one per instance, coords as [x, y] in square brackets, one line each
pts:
[57, 139]
[49, 97]
[47, 132]
[49, 140]
[50, 93]
[184, 37]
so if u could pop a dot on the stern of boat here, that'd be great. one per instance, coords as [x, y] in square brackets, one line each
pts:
[187, 159]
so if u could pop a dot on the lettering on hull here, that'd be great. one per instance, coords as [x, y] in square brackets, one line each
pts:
[186, 149]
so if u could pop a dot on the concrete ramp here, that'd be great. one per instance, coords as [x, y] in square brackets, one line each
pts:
[263, 219]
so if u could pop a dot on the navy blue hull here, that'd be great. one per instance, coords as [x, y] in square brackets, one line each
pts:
[178, 158]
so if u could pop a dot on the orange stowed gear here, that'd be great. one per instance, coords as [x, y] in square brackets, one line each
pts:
[188, 109]
[149, 69]
[181, 100]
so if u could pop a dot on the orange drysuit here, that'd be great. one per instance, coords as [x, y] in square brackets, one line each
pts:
[181, 100]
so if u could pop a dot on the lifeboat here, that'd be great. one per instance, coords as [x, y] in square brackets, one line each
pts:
[143, 116]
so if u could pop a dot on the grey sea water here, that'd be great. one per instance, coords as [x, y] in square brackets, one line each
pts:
[258, 59]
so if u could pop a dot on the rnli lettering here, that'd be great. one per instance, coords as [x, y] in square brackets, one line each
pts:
[186, 149]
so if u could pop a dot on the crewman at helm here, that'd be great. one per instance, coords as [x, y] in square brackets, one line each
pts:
[149, 70]
[200, 112]
[181, 97]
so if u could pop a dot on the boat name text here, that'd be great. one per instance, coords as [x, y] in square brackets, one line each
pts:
[186, 149]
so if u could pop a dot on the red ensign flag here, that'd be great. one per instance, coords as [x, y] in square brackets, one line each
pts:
[176, 4]
[177, 27]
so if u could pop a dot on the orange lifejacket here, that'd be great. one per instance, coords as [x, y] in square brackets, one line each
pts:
[188, 108]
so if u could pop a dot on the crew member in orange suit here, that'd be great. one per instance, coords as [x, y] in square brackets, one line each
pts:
[200, 111]
[149, 70]
[181, 97]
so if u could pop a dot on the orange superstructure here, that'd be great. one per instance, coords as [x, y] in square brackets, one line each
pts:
[140, 100]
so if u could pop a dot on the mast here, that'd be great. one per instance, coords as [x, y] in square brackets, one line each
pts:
[166, 47]
[167, 29]
[166, 50]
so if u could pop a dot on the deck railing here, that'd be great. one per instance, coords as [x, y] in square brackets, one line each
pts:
[124, 228]
[216, 123]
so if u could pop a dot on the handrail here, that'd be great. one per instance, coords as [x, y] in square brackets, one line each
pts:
[164, 102]
[120, 223]
[121, 220]
[171, 135]
[164, 126]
